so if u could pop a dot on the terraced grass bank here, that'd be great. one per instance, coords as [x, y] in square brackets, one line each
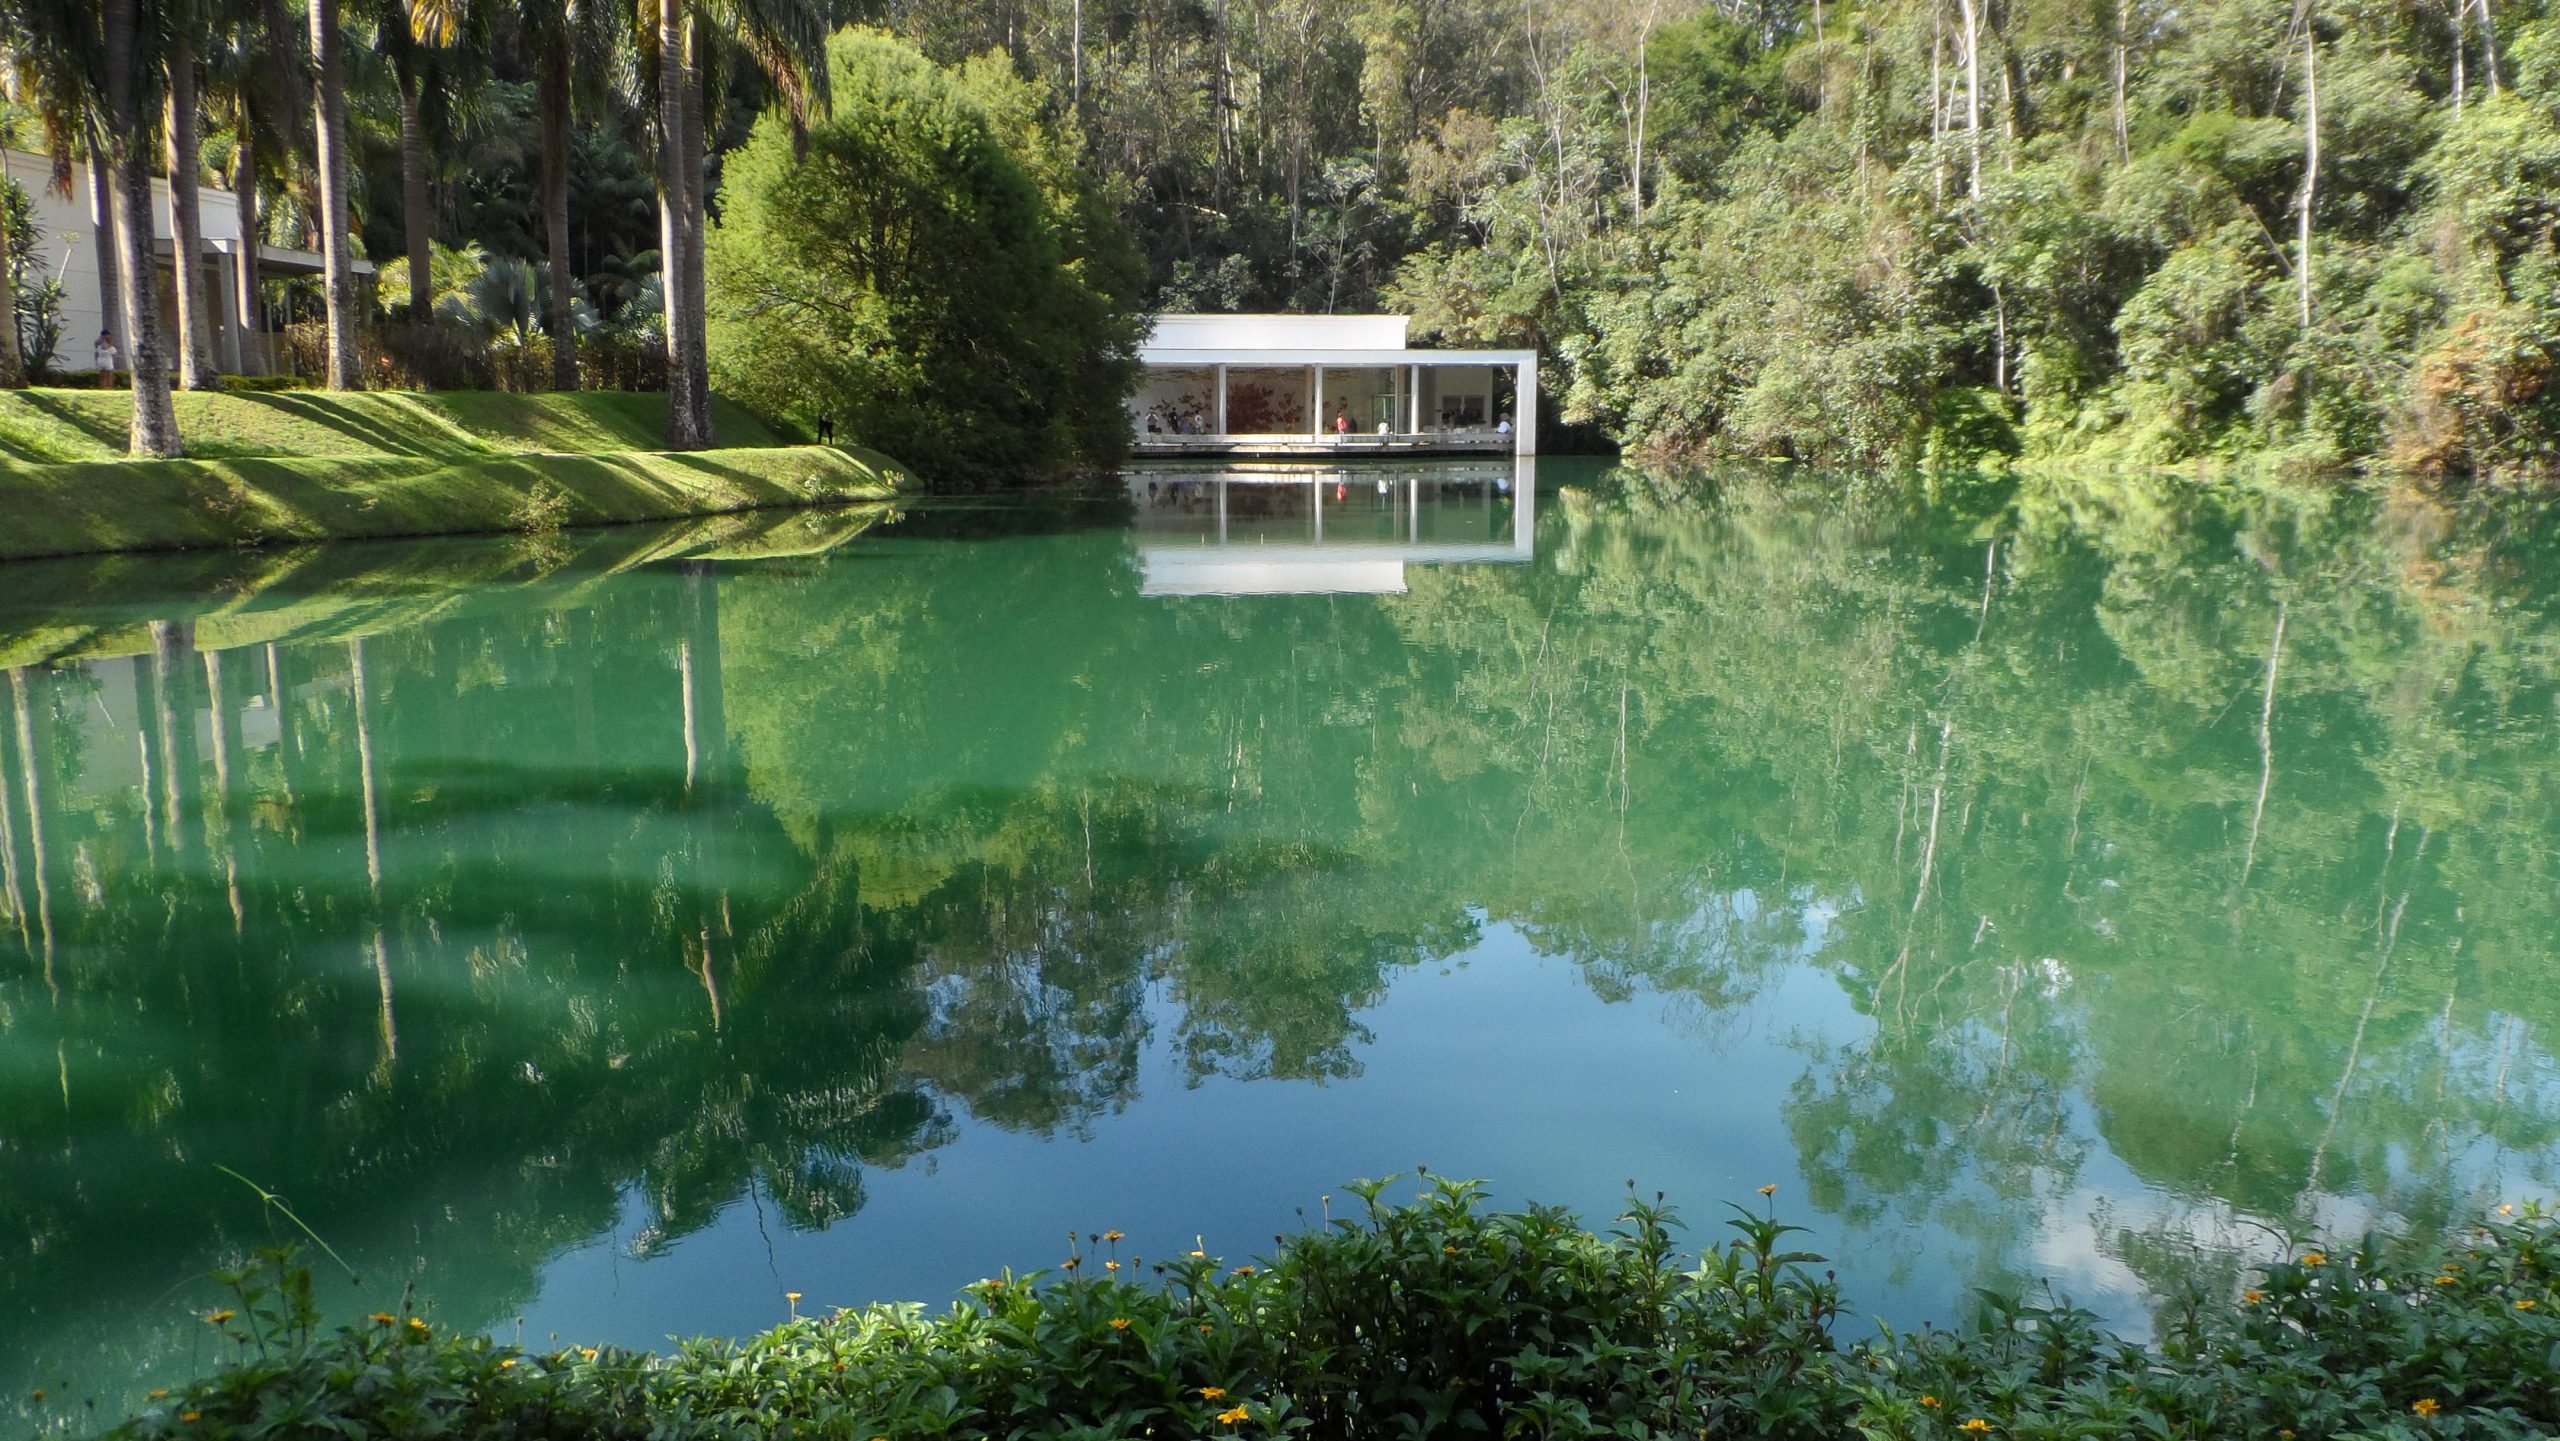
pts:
[275, 467]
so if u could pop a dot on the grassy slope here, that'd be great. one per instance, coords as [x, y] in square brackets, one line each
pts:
[270, 467]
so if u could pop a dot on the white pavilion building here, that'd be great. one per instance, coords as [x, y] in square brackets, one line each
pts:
[1336, 385]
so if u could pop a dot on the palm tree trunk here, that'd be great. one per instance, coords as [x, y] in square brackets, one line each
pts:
[679, 186]
[102, 230]
[196, 367]
[555, 208]
[244, 271]
[329, 122]
[13, 363]
[413, 197]
[155, 423]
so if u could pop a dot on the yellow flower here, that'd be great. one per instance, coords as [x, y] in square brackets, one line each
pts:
[2506, 1210]
[2446, 1281]
[192, 1417]
[587, 1352]
[1235, 1416]
[2314, 1258]
[508, 1364]
[1111, 1236]
[382, 1318]
[1769, 1190]
[417, 1325]
[1205, 1330]
[157, 1396]
[216, 1318]
[792, 1296]
[1070, 1264]
[2252, 1298]
[1119, 1323]
[1213, 1393]
[1448, 1250]
[1111, 1265]
[2525, 1305]
[1243, 1271]
[1199, 1255]
[1977, 1426]
[2426, 1406]
[1930, 1401]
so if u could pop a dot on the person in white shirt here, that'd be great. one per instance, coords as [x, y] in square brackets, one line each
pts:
[104, 356]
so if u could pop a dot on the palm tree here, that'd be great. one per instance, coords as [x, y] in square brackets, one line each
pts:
[184, 30]
[436, 49]
[91, 64]
[785, 40]
[125, 53]
[329, 140]
[563, 39]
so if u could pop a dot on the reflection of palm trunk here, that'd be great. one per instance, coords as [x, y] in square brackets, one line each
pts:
[30, 772]
[706, 726]
[373, 853]
[173, 717]
[217, 814]
[706, 753]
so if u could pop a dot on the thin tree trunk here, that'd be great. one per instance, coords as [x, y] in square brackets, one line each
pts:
[155, 423]
[555, 208]
[415, 229]
[2310, 160]
[2488, 47]
[197, 369]
[329, 129]
[1972, 13]
[102, 229]
[244, 273]
[2454, 16]
[2124, 29]
[679, 173]
[13, 364]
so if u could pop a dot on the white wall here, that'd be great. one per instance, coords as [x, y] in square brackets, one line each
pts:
[67, 248]
[1275, 332]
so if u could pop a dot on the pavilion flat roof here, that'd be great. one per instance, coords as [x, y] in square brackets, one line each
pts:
[1346, 359]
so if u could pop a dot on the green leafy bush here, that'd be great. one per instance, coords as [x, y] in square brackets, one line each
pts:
[1440, 1318]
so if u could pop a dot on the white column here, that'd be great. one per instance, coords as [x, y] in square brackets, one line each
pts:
[1413, 399]
[1524, 389]
[228, 308]
[1222, 409]
[1317, 386]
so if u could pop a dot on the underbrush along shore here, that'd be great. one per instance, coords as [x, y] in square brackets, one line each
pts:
[1442, 1317]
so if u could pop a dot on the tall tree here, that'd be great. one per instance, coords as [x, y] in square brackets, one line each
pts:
[329, 139]
[184, 32]
[125, 53]
[782, 40]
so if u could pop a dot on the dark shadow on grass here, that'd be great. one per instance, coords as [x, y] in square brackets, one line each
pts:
[371, 435]
[111, 434]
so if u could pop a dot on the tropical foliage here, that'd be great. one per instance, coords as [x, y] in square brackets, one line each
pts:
[929, 266]
[1437, 1318]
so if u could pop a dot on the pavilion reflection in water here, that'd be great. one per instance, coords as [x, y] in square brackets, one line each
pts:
[1326, 530]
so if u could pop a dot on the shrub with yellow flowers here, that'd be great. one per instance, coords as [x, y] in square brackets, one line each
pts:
[1438, 1316]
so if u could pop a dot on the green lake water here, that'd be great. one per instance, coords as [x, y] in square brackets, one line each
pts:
[2070, 884]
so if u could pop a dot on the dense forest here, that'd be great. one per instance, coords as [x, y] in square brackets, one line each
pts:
[1905, 231]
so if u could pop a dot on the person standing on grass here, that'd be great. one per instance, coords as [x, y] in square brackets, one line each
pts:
[104, 356]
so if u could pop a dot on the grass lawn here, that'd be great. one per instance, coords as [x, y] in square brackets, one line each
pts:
[269, 467]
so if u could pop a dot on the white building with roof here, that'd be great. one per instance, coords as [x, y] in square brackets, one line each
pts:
[1291, 385]
[69, 249]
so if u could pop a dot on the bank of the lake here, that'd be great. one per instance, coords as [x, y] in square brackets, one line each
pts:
[276, 467]
[1439, 1318]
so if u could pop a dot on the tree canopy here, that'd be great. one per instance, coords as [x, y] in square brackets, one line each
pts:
[927, 266]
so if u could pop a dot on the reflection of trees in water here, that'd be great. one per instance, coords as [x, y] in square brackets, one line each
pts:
[693, 883]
